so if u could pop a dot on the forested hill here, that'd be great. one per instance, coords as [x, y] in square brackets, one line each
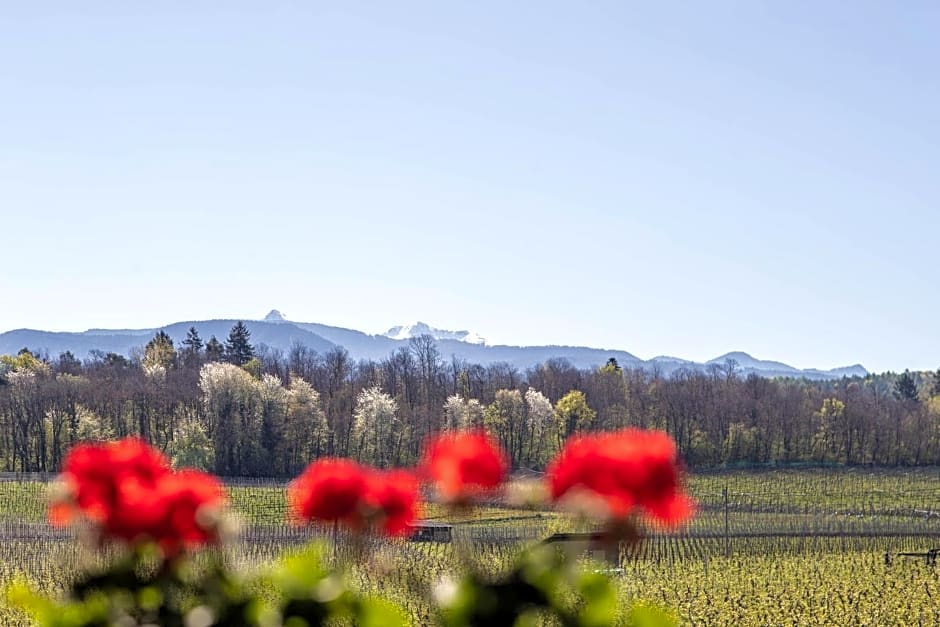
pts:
[279, 334]
[241, 409]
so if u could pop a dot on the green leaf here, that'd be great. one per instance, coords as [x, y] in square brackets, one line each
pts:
[374, 612]
[299, 574]
[600, 600]
[46, 612]
[642, 615]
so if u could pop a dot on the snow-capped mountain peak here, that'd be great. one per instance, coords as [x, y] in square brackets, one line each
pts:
[408, 331]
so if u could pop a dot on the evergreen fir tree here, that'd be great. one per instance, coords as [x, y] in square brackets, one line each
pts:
[905, 388]
[161, 339]
[191, 348]
[238, 350]
[193, 343]
[214, 350]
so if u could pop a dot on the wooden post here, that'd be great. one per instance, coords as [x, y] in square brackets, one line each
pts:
[724, 495]
[335, 543]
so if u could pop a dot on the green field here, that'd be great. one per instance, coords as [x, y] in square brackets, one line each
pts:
[781, 547]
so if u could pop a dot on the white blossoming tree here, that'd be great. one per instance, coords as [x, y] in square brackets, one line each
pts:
[305, 427]
[540, 421]
[232, 404]
[462, 413]
[377, 432]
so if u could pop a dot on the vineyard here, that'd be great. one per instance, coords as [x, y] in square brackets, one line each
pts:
[776, 547]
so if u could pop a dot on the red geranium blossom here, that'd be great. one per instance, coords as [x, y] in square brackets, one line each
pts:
[105, 480]
[329, 489]
[463, 464]
[126, 488]
[629, 469]
[391, 501]
[193, 501]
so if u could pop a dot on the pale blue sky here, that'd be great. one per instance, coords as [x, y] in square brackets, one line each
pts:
[664, 178]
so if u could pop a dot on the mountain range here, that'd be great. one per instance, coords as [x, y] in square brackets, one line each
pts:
[277, 332]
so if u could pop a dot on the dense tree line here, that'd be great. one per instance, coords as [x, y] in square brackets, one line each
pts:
[243, 410]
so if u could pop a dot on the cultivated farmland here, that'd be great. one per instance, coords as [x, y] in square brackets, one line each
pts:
[778, 547]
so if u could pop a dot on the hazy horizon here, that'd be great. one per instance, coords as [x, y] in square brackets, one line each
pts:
[666, 180]
[382, 332]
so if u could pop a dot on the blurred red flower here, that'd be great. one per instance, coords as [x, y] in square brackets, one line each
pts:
[391, 501]
[128, 490]
[329, 489]
[629, 469]
[463, 464]
[193, 501]
[103, 480]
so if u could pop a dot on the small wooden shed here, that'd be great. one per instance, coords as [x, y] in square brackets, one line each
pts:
[431, 531]
[597, 545]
